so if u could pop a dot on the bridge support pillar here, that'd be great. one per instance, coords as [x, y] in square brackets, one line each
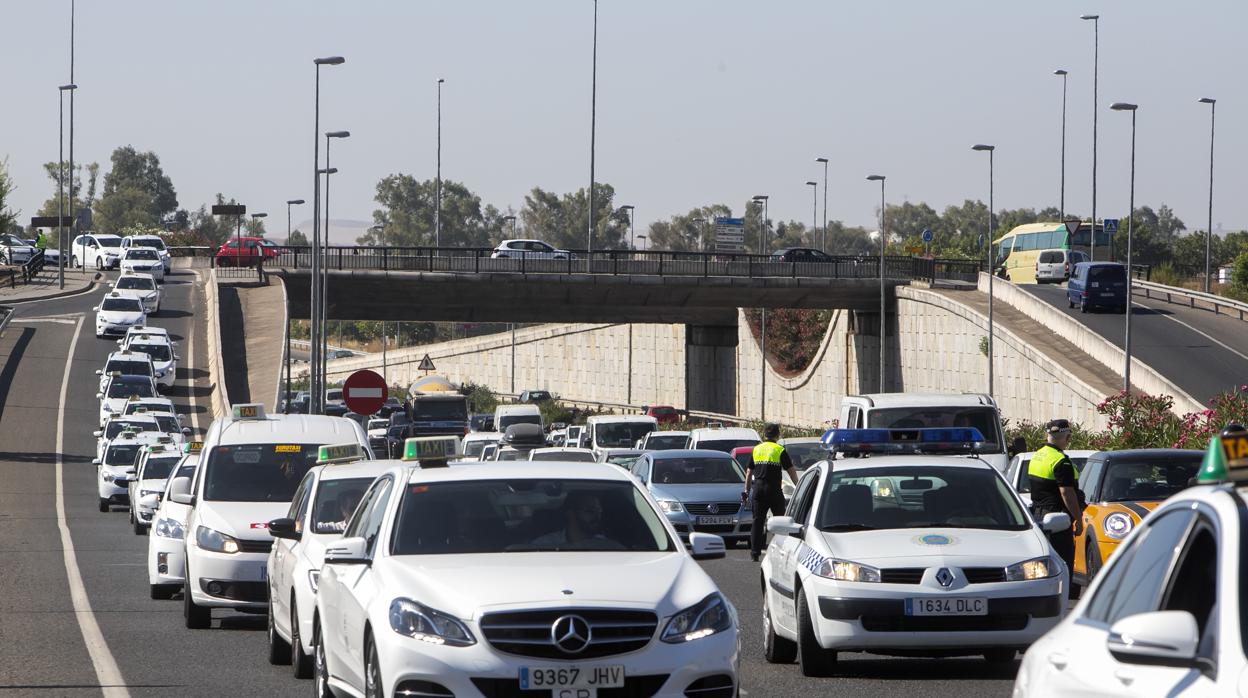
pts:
[711, 368]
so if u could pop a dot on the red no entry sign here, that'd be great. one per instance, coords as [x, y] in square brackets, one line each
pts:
[364, 392]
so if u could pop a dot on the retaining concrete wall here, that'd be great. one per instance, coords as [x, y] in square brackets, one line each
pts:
[219, 396]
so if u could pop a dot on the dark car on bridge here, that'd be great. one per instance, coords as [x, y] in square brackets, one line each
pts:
[799, 254]
[1097, 285]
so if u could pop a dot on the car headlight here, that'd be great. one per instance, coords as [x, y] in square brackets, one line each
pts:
[711, 615]
[215, 541]
[670, 506]
[108, 477]
[1117, 525]
[846, 571]
[314, 579]
[160, 374]
[1039, 568]
[169, 528]
[420, 622]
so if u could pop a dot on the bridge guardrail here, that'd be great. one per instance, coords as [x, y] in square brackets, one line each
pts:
[1218, 304]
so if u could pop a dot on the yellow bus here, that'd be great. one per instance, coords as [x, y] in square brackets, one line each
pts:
[1015, 253]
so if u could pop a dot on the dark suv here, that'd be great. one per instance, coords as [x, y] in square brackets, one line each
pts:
[1097, 285]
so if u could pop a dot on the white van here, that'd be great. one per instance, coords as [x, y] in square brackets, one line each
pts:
[506, 415]
[1053, 266]
[250, 467]
[930, 410]
[723, 438]
[612, 431]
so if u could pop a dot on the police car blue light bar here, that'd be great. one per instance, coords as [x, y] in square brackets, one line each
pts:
[884, 441]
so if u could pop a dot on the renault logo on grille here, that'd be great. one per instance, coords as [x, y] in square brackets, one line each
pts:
[571, 634]
[944, 577]
[712, 508]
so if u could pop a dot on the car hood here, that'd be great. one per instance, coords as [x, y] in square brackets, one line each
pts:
[135, 293]
[664, 582]
[248, 520]
[930, 547]
[723, 492]
[120, 317]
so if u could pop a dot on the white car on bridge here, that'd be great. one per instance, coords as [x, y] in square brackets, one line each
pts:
[528, 249]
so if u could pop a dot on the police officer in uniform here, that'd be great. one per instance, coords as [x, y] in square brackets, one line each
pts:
[769, 458]
[1054, 488]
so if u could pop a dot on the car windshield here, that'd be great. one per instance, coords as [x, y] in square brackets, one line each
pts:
[934, 416]
[137, 283]
[1050, 257]
[130, 305]
[116, 426]
[158, 352]
[509, 419]
[149, 242]
[145, 253]
[659, 442]
[257, 472]
[474, 449]
[159, 467]
[696, 471]
[132, 407]
[920, 496]
[1107, 272]
[378, 424]
[624, 461]
[726, 445]
[125, 454]
[1148, 480]
[129, 367]
[539, 395]
[168, 423]
[440, 410]
[125, 386]
[108, 240]
[334, 395]
[620, 434]
[336, 501]
[565, 456]
[805, 454]
[526, 515]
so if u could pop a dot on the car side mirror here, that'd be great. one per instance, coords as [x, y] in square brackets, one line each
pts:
[99, 371]
[782, 525]
[1055, 521]
[120, 341]
[149, 501]
[180, 491]
[1160, 638]
[95, 461]
[96, 308]
[99, 396]
[97, 433]
[284, 528]
[706, 546]
[348, 551]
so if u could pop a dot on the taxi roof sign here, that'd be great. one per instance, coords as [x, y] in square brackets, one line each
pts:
[902, 441]
[430, 448]
[340, 453]
[193, 447]
[251, 410]
[1226, 458]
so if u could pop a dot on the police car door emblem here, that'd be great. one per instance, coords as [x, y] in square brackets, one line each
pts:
[944, 577]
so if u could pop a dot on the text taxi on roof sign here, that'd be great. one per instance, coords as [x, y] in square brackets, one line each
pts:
[340, 453]
[1226, 458]
[431, 451]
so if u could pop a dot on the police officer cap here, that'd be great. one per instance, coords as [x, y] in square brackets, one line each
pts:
[1057, 426]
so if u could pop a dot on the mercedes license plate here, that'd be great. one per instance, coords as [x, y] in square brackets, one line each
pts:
[571, 681]
[714, 520]
[952, 606]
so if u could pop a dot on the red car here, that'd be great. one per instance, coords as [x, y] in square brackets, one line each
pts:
[245, 251]
[663, 414]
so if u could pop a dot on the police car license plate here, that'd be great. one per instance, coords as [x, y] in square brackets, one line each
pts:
[571, 681]
[953, 606]
[714, 520]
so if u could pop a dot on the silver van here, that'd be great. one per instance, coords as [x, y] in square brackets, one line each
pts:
[1053, 266]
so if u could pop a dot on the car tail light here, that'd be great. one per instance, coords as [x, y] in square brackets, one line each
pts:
[1068, 269]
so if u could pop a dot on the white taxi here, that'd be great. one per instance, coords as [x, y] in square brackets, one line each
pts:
[922, 553]
[117, 313]
[153, 405]
[154, 242]
[556, 578]
[142, 260]
[114, 470]
[251, 465]
[166, 547]
[318, 514]
[117, 423]
[119, 389]
[156, 463]
[1167, 615]
[161, 351]
[141, 286]
[127, 363]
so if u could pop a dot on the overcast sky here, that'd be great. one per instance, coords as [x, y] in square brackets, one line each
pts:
[699, 101]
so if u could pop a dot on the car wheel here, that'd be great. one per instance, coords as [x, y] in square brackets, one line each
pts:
[197, 617]
[75, 262]
[1069, 301]
[139, 528]
[776, 649]
[161, 592]
[300, 660]
[99, 264]
[373, 686]
[1083, 306]
[103, 506]
[814, 660]
[320, 670]
[999, 655]
[279, 650]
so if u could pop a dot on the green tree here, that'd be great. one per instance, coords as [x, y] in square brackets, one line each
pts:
[406, 216]
[297, 238]
[563, 221]
[848, 241]
[8, 216]
[685, 232]
[208, 229]
[136, 192]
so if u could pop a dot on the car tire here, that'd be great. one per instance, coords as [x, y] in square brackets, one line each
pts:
[301, 662]
[814, 660]
[99, 264]
[320, 669]
[1069, 302]
[75, 262]
[374, 687]
[1000, 655]
[162, 592]
[279, 649]
[776, 649]
[197, 617]
[104, 508]
[139, 528]
[1083, 306]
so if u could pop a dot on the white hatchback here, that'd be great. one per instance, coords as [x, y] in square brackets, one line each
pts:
[117, 313]
[143, 260]
[162, 353]
[141, 286]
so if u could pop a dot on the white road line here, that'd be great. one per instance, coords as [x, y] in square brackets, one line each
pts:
[58, 321]
[1172, 318]
[106, 670]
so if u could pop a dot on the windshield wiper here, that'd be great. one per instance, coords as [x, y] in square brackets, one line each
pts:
[836, 528]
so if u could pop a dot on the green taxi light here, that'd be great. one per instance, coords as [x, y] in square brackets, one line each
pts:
[1226, 458]
[430, 448]
[339, 453]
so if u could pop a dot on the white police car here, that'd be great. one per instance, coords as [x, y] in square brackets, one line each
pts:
[141, 286]
[251, 466]
[117, 313]
[1168, 613]
[166, 547]
[910, 550]
[156, 463]
[318, 514]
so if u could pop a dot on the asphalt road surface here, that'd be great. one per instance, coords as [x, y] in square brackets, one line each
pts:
[1202, 353]
[140, 647]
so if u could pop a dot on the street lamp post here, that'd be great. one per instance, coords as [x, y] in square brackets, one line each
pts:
[643, 242]
[437, 208]
[1126, 368]
[291, 202]
[1096, 57]
[60, 187]
[1213, 107]
[323, 281]
[632, 227]
[824, 244]
[814, 209]
[317, 388]
[883, 237]
[1062, 197]
[286, 402]
[991, 149]
[593, 132]
[513, 224]
[73, 88]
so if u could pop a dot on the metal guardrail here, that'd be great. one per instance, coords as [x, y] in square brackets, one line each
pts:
[25, 272]
[6, 314]
[1218, 304]
[190, 251]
